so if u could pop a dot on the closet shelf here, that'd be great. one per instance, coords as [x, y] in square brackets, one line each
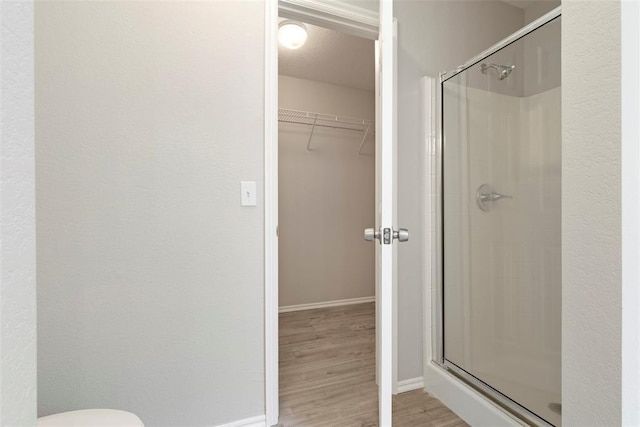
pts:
[326, 121]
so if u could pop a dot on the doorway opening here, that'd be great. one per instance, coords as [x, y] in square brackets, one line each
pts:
[326, 198]
[325, 401]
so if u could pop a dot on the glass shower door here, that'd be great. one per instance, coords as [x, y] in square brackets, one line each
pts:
[501, 223]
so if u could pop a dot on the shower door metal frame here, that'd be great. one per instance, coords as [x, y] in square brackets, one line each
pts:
[438, 327]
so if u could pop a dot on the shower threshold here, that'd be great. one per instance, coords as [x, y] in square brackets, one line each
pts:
[512, 407]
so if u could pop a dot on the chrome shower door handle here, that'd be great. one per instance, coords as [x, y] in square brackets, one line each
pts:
[485, 196]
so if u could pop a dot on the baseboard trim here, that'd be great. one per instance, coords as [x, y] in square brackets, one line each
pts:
[326, 304]
[259, 421]
[410, 384]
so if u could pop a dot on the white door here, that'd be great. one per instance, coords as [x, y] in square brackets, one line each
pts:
[386, 231]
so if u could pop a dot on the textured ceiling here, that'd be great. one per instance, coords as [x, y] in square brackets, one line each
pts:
[332, 57]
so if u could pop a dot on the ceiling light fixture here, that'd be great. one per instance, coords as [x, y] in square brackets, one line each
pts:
[292, 34]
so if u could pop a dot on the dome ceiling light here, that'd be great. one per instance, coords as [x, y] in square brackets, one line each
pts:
[292, 34]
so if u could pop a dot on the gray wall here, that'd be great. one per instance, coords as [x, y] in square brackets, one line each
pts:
[17, 217]
[433, 36]
[150, 274]
[591, 203]
[326, 197]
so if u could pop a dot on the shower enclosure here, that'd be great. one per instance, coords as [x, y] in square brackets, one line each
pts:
[501, 199]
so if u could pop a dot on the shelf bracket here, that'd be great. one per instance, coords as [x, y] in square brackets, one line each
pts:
[366, 132]
[311, 134]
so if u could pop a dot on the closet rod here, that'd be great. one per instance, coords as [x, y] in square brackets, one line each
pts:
[322, 126]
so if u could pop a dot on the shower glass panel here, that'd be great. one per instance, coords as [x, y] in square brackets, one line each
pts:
[501, 223]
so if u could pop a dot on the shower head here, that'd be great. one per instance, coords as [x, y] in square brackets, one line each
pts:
[503, 70]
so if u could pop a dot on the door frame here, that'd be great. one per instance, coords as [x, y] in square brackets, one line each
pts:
[342, 17]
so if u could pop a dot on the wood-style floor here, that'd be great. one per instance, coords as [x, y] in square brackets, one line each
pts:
[327, 373]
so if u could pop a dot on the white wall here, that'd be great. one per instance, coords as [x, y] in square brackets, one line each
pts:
[17, 217]
[150, 274]
[326, 197]
[433, 36]
[591, 209]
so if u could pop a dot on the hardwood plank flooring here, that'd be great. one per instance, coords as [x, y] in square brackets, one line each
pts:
[327, 374]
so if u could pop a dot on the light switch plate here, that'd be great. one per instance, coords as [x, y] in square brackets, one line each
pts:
[248, 193]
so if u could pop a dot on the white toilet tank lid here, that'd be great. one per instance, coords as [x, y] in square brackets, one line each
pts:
[91, 418]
